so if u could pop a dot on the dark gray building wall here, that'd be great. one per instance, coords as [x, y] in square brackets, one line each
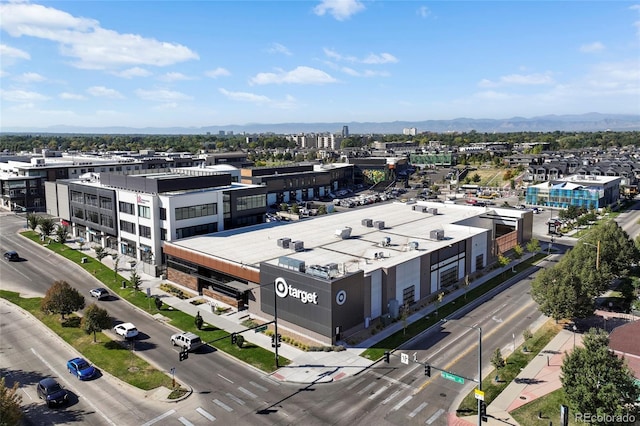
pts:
[327, 314]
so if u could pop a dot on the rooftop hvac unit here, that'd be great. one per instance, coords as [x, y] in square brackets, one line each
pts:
[378, 255]
[367, 222]
[413, 245]
[437, 234]
[432, 210]
[343, 233]
[378, 224]
[297, 245]
[386, 241]
[419, 208]
[284, 242]
[290, 263]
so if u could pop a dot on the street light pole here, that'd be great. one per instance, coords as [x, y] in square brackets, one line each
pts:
[597, 252]
[275, 322]
[480, 402]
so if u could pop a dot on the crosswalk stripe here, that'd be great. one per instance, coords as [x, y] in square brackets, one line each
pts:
[401, 403]
[185, 422]
[435, 416]
[418, 409]
[235, 398]
[247, 392]
[378, 392]
[205, 414]
[390, 397]
[222, 405]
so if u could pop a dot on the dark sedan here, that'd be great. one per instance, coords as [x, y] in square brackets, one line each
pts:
[51, 392]
[12, 256]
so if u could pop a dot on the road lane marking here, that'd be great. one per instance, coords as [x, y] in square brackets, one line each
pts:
[435, 416]
[262, 388]
[160, 417]
[473, 347]
[222, 405]
[248, 392]
[185, 422]
[366, 388]
[401, 403]
[390, 397]
[378, 392]
[79, 394]
[221, 376]
[235, 398]
[392, 380]
[206, 414]
[418, 409]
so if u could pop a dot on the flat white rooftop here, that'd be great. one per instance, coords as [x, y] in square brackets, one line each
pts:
[252, 245]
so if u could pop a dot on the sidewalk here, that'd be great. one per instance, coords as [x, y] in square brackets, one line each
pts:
[539, 378]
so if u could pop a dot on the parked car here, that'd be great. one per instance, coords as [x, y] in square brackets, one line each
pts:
[99, 293]
[51, 392]
[80, 368]
[186, 340]
[12, 256]
[126, 330]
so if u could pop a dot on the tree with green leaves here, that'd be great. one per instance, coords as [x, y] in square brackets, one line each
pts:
[198, 321]
[95, 319]
[101, 252]
[47, 226]
[158, 303]
[135, 279]
[62, 232]
[597, 381]
[10, 400]
[62, 299]
[498, 361]
[33, 221]
[554, 293]
[533, 246]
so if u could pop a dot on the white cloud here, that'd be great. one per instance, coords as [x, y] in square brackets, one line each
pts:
[383, 58]
[12, 52]
[372, 58]
[133, 72]
[365, 73]
[592, 47]
[83, 39]
[162, 95]
[103, 92]
[492, 95]
[218, 72]
[29, 77]
[279, 48]
[71, 96]
[174, 76]
[518, 79]
[339, 9]
[22, 96]
[245, 97]
[289, 102]
[299, 75]
[423, 12]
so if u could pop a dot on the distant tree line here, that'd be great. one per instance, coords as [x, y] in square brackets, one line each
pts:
[196, 143]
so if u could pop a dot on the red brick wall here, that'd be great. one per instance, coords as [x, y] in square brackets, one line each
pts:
[181, 278]
[221, 297]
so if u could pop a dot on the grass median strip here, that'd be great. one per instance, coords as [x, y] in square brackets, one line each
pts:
[108, 355]
[249, 353]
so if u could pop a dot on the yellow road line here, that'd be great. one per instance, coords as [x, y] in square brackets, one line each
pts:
[470, 348]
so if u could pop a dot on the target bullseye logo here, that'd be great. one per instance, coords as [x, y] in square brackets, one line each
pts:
[283, 290]
[341, 297]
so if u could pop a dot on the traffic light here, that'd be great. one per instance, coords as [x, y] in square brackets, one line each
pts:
[386, 357]
[279, 339]
[184, 354]
[427, 370]
[483, 411]
[273, 341]
[234, 338]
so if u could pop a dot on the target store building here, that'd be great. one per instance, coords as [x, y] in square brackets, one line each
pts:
[330, 276]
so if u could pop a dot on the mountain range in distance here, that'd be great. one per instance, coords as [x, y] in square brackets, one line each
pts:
[590, 122]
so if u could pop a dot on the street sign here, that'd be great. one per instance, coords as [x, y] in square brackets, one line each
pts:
[452, 377]
[259, 329]
[479, 394]
[404, 358]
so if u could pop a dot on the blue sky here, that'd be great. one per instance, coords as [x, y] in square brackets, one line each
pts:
[214, 63]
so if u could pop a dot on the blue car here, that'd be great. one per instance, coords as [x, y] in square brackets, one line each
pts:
[81, 368]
